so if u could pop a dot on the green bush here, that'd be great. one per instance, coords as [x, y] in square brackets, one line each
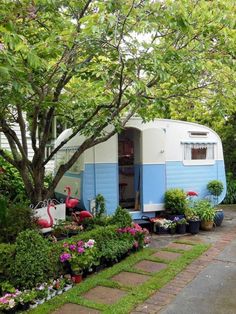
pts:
[7, 252]
[91, 223]
[230, 197]
[11, 184]
[175, 201]
[17, 218]
[121, 217]
[33, 264]
[100, 206]
[109, 242]
[215, 187]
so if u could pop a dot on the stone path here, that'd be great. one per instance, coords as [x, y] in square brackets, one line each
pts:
[167, 294]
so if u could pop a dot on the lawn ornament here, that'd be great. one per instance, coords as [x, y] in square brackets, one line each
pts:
[71, 203]
[44, 223]
[80, 216]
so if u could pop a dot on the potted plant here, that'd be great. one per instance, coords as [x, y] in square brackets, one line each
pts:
[161, 225]
[26, 298]
[41, 293]
[206, 213]
[81, 255]
[172, 227]
[215, 187]
[180, 225]
[175, 202]
[193, 220]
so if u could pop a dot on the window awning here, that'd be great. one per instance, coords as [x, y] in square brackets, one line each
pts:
[197, 142]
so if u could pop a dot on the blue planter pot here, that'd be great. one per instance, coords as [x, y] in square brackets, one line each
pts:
[219, 216]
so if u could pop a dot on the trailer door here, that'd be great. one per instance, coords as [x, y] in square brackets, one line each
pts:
[153, 179]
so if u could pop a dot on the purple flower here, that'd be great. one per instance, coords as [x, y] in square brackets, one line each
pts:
[80, 250]
[65, 244]
[72, 247]
[80, 243]
[65, 257]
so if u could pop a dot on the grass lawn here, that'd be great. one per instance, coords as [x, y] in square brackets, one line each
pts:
[134, 295]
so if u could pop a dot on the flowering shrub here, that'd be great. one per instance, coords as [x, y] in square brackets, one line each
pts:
[140, 235]
[8, 301]
[11, 300]
[81, 255]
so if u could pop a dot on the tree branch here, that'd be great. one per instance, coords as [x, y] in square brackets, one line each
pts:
[22, 125]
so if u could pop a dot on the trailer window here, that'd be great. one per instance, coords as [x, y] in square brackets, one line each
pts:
[198, 151]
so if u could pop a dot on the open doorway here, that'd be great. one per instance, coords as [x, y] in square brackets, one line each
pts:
[129, 157]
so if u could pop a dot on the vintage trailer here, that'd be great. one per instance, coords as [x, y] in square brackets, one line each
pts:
[135, 168]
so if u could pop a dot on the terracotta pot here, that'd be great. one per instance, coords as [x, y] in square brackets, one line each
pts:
[77, 278]
[207, 225]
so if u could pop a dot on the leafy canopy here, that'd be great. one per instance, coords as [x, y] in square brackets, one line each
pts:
[91, 63]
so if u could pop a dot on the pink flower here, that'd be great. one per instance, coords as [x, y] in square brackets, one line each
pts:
[80, 250]
[72, 247]
[80, 243]
[136, 244]
[65, 257]
[65, 244]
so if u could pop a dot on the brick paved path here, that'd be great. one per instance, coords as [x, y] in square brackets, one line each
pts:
[219, 238]
[166, 294]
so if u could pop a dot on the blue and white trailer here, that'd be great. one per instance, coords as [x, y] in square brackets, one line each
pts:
[135, 168]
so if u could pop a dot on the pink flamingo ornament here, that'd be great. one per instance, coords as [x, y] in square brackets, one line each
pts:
[80, 216]
[70, 202]
[44, 223]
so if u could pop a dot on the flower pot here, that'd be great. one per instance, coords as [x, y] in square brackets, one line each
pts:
[67, 287]
[33, 305]
[219, 216]
[77, 278]
[193, 226]
[40, 301]
[160, 230]
[172, 230]
[181, 229]
[207, 225]
[53, 293]
[23, 306]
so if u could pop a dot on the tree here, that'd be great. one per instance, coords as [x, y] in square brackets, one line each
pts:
[95, 63]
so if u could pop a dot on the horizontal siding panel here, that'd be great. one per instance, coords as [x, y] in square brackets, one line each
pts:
[193, 177]
[101, 179]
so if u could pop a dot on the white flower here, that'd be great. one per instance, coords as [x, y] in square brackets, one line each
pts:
[89, 244]
[11, 303]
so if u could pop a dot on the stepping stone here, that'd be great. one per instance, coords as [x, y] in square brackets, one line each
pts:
[167, 255]
[180, 246]
[130, 279]
[70, 308]
[192, 238]
[105, 295]
[150, 266]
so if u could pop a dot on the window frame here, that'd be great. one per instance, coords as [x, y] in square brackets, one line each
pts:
[207, 161]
